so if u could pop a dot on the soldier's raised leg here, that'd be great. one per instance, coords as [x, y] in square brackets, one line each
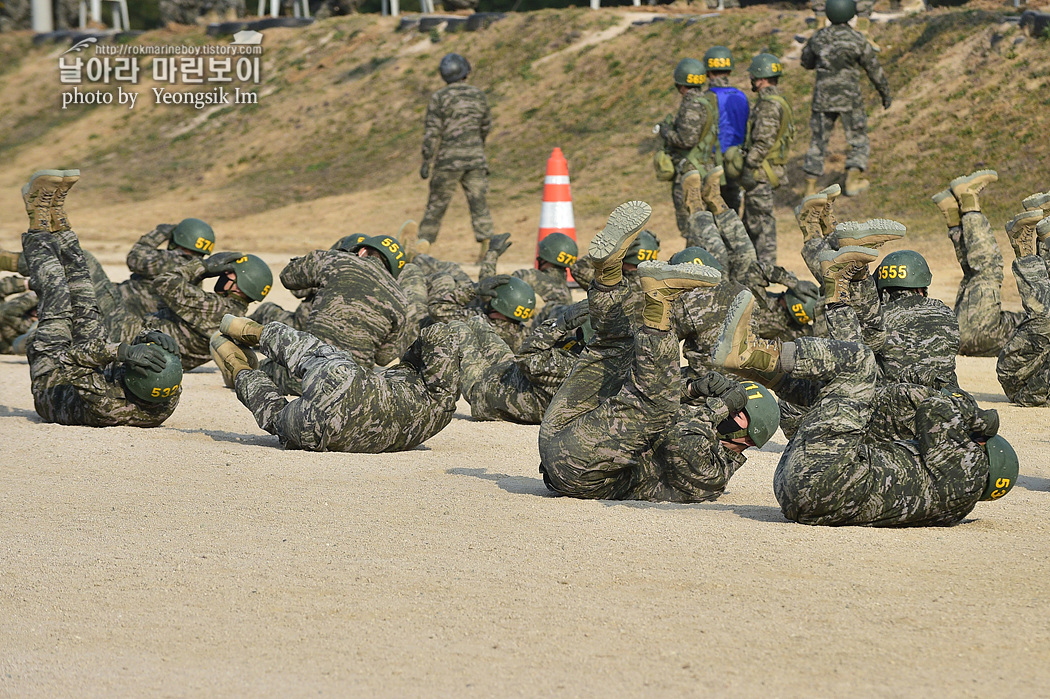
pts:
[760, 222]
[820, 125]
[1023, 367]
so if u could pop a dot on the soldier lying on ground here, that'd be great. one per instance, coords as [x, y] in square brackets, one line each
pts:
[17, 311]
[554, 255]
[646, 246]
[505, 302]
[190, 239]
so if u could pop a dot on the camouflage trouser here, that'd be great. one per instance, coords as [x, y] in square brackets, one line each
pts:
[702, 231]
[346, 408]
[732, 194]
[442, 186]
[984, 327]
[138, 297]
[739, 248]
[760, 223]
[624, 390]
[1024, 364]
[270, 312]
[854, 123]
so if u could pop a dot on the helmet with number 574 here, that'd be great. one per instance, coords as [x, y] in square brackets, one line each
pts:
[254, 277]
[388, 246]
[690, 73]
[515, 299]
[645, 247]
[903, 269]
[558, 249]
[194, 235]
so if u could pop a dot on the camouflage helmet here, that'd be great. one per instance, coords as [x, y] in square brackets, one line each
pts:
[194, 235]
[253, 276]
[558, 249]
[696, 255]
[391, 250]
[349, 243]
[156, 386]
[690, 73]
[515, 299]
[1002, 468]
[903, 269]
[840, 11]
[801, 309]
[645, 247]
[453, 67]
[765, 65]
[763, 415]
[718, 59]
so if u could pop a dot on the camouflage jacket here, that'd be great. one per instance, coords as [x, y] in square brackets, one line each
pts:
[358, 306]
[455, 128]
[838, 53]
[14, 317]
[551, 285]
[461, 302]
[414, 283]
[762, 127]
[688, 130]
[87, 388]
[146, 261]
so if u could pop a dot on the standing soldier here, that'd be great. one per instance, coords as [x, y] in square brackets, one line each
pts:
[838, 53]
[689, 147]
[770, 131]
[457, 123]
[732, 113]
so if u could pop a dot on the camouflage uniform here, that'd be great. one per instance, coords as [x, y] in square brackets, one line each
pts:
[984, 327]
[461, 302]
[15, 318]
[763, 125]
[76, 379]
[1024, 364]
[501, 386]
[456, 125]
[345, 407]
[836, 470]
[147, 261]
[583, 272]
[838, 52]
[696, 318]
[551, 285]
[695, 124]
[617, 428]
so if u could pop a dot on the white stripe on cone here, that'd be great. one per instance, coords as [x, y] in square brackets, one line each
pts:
[556, 179]
[557, 214]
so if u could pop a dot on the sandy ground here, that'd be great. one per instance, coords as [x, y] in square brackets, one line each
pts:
[199, 559]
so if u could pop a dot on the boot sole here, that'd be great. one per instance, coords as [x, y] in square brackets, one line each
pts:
[227, 328]
[688, 275]
[831, 192]
[941, 196]
[1036, 201]
[734, 330]
[1042, 229]
[1026, 218]
[873, 232]
[620, 230]
[959, 182]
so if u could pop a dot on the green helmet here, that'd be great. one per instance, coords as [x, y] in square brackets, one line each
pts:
[391, 250]
[690, 73]
[1002, 468]
[801, 310]
[840, 11]
[903, 269]
[763, 415]
[453, 67]
[253, 276]
[719, 59]
[194, 235]
[156, 386]
[765, 65]
[558, 249]
[696, 255]
[645, 247]
[579, 340]
[349, 242]
[515, 299]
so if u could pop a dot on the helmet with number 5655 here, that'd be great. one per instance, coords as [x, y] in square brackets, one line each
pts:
[515, 299]
[194, 235]
[690, 73]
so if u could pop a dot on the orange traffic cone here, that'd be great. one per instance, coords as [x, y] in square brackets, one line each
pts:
[556, 210]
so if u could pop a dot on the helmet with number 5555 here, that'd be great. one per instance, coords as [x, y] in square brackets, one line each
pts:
[903, 269]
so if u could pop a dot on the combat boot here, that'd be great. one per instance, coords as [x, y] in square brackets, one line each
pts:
[808, 215]
[1042, 229]
[856, 183]
[38, 194]
[827, 216]
[873, 233]
[242, 330]
[967, 188]
[609, 247]
[949, 207]
[9, 260]
[59, 218]
[712, 192]
[811, 186]
[406, 235]
[662, 283]
[1022, 232]
[231, 358]
[422, 247]
[840, 267]
[738, 347]
[1039, 200]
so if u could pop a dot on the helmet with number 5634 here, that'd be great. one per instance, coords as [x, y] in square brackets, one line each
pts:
[156, 386]
[515, 299]
[558, 249]
[194, 235]
[690, 73]
[903, 269]
[254, 277]
[765, 65]
[718, 59]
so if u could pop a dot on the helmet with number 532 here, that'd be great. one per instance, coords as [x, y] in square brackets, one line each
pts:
[515, 299]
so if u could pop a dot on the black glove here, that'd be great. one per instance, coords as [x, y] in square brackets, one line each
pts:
[487, 286]
[163, 340]
[806, 289]
[424, 170]
[141, 358]
[220, 262]
[575, 315]
[886, 101]
[499, 243]
[714, 384]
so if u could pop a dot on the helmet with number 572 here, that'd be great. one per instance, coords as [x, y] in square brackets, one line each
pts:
[515, 299]
[802, 309]
[254, 277]
[690, 73]
[558, 249]
[903, 269]
[194, 235]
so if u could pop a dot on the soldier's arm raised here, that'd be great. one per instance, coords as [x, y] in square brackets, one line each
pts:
[306, 272]
[145, 258]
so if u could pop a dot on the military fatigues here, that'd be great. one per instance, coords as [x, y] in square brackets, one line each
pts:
[765, 127]
[984, 327]
[345, 407]
[16, 304]
[838, 53]
[147, 261]
[836, 470]
[551, 285]
[690, 142]
[501, 386]
[456, 125]
[1024, 364]
[461, 302]
[772, 318]
[76, 379]
[357, 307]
[617, 428]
